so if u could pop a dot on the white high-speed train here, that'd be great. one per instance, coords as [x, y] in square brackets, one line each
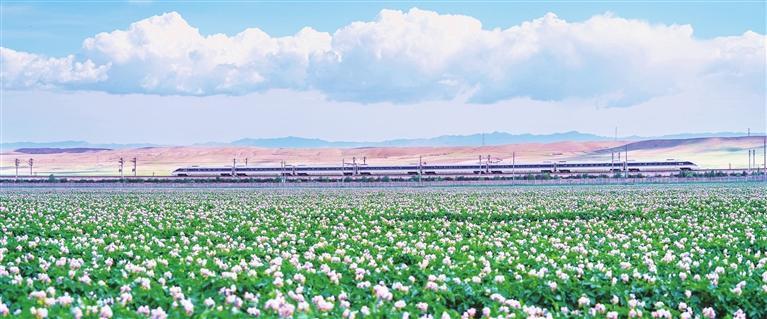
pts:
[458, 169]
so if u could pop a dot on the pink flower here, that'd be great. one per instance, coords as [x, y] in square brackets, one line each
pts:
[106, 312]
[382, 293]
[39, 312]
[709, 313]
[143, 310]
[158, 314]
[584, 301]
[4, 311]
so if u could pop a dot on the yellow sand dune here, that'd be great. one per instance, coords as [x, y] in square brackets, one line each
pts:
[160, 161]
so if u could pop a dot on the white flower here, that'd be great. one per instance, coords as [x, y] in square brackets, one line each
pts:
[600, 308]
[105, 312]
[4, 311]
[253, 311]
[65, 300]
[382, 293]
[584, 301]
[552, 285]
[709, 313]
[188, 306]
[143, 310]
[158, 313]
[39, 312]
[39, 295]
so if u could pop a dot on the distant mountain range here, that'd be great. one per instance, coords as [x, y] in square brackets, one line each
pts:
[494, 138]
[70, 144]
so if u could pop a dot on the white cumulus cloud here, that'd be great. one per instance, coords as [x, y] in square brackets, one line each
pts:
[25, 70]
[405, 57]
[165, 55]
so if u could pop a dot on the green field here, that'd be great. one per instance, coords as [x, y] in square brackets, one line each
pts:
[604, 252]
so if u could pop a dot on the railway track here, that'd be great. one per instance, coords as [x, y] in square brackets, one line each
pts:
[7, 178]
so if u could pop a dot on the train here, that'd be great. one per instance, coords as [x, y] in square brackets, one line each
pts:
[439, 169]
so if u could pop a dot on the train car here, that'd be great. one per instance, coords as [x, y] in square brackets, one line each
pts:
[196, 171]
[429, 170]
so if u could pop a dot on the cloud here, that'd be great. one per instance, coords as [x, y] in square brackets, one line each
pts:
[407, 57]
[165, 55]
[25, 70]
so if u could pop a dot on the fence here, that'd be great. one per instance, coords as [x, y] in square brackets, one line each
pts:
[358, 184]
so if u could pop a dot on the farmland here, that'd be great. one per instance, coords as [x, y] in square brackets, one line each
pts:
[695, 251]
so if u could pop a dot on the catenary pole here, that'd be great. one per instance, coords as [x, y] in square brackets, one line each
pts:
[122, 163]
[513, 164]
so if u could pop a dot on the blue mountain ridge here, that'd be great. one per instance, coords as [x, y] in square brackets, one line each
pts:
[479, 139]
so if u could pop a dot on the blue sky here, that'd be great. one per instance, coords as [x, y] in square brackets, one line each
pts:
[58, 28]
[113, 67]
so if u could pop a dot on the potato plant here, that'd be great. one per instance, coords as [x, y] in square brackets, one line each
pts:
[693, 251]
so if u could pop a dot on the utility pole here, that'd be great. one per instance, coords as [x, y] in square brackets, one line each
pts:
[17, 162]
[420, 167]
[753, 154]
[122, 162]
[31, 163]
[749, 161]
[488, 163]
[134, 161]
[246, 162]
[234, 164]
[626, 158]
[513, 165]
[354, 165]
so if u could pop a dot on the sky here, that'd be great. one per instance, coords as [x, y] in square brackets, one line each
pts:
[184, 73]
